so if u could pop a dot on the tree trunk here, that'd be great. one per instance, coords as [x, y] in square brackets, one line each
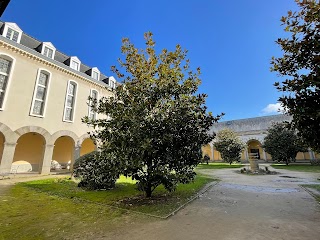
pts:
[148, 191]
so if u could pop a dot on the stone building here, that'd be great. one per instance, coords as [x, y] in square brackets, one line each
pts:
[43, 96]
[252, 132]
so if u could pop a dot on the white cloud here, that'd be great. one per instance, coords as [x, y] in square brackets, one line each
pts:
[273, 108]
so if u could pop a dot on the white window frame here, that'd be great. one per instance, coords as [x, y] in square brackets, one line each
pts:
[96, 70]
[35, 93]
[75, 59]
[89, 107]
[74, 101]
[14, 27]
[49, 46]
[13, 61]
[112, 80]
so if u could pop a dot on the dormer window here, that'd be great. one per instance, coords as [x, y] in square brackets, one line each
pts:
[48, 50]
[95, 74]
[12, 35]
[75, 63]
[112, 82]
[12, 32]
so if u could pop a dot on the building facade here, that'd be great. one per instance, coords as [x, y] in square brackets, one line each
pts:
[43, 96]
[252, 132]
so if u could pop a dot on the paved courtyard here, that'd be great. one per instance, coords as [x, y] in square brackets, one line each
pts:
[243, 207]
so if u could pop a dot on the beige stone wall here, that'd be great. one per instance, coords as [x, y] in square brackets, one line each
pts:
[16, 113]
[18, 128]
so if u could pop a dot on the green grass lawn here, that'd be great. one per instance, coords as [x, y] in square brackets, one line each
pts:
[125, 195]
[218, 165]
[298, 167]
[58, 209]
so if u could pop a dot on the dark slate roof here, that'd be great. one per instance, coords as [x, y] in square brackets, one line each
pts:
[34, 44]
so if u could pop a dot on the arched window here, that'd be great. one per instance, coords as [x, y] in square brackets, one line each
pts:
[69, 106]
[40, 94]
[5, 70]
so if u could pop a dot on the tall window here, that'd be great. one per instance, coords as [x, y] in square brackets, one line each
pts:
[40, 94]
[70, 101]
[48, 52]
[5, 66]
[12, 35]
[94, 98]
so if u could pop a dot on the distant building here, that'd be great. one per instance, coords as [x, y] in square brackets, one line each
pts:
[43, 96]
[252, 132]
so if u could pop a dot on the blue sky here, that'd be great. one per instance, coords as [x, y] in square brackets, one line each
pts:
[231, 41]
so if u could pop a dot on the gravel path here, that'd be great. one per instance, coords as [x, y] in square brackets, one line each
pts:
[243, 207]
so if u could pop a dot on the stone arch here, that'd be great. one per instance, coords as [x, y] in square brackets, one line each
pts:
[28, 129]
[83, 137]
[254, 148]
[63, 153]
[9, 135]
[87, 146]
[29, 152]
[64, 144]
[62, 133]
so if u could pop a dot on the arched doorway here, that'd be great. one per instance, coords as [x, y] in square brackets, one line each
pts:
[2, 140]
[255, 150]
[63, 153]
[87, 146]
[28, 155]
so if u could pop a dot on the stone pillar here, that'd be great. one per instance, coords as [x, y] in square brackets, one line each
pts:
[47, 158]
[264, 155]
[7, 157]
[254, 166]
[212, 150]
[246, 153]
[75, 155]
[311, 153]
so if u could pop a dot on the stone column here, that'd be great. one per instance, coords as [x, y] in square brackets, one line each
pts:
[47, 158]
[75, 155]
[246, 153]
[7, 157]
[311, 153]
[264, 155]
[212, 150]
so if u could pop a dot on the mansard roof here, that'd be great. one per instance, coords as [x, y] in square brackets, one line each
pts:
[34, 45]
[251, 124]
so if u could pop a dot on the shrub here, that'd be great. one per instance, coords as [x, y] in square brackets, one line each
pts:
[97, 170]
[205, 159]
